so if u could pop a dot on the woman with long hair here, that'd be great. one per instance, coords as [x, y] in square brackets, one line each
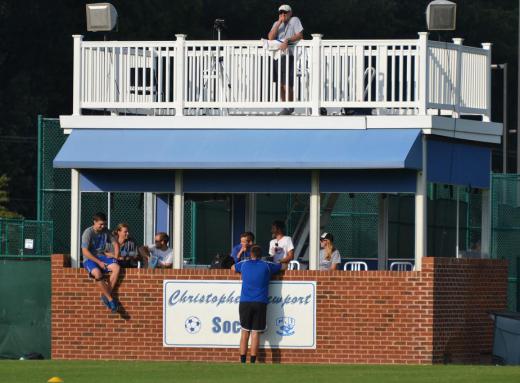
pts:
[127, 247]
[329, 255]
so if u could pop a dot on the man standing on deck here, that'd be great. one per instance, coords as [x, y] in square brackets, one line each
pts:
[288, 30]
[252, 309]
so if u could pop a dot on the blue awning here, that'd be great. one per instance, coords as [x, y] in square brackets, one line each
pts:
[241, 149]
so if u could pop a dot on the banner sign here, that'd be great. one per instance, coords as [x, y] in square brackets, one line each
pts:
[205, 314]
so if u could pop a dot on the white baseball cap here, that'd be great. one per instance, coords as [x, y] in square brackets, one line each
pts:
[285, 8]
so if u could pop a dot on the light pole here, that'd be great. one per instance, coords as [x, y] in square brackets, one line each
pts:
[518, 100]
[505, 130]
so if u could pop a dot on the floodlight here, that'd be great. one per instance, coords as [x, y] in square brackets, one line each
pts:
[101, 17]
[441, 15]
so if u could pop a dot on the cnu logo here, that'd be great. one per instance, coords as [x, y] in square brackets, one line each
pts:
[285, 326]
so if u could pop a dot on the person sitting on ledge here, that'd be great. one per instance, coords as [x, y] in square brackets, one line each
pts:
[127, 247]
[94, 243]
[158, 255]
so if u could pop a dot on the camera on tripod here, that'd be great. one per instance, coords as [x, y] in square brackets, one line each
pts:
[219, 24]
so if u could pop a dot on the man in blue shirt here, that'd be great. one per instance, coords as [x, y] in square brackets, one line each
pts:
[242, 251]
[252, 309]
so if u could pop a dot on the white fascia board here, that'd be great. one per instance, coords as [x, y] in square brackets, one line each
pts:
[489, 132]
[213, 122]
[399, 122]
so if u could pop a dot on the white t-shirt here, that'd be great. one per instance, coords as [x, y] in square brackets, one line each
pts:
[334, 258]
[278, 249]
[163, 256]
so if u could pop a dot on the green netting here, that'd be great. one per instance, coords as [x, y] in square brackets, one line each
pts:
[20, 237]
[505, 234]
[128, 208]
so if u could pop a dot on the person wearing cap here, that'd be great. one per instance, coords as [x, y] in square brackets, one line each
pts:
[329, 255]
[288, 30]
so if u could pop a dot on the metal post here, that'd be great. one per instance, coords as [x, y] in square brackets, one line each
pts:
[505, 128]
[518, 101]
[485, 242]
[178, 221]
[314, 222]
[76, 90]
[39, 173]
[315, 73]
[382, 240]
[457, 223]
[75, 218]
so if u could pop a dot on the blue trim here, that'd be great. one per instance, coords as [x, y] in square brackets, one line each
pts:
[165, 298]
[460, 164]
[244, 181]
[162, 213]
[139, 181]
[239, 217]
[368, 181]
[241, 149]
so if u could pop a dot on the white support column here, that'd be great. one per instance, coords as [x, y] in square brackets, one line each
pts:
[179, 74]
[314, 222]
[75, 218]
[149, 218]
[485, 242]
[487, 116]
[76, 76]
[458, 77]
[421, 203]
[251, 212]
[316, 73]
[423, 73]
[178, 221]
[382, 233]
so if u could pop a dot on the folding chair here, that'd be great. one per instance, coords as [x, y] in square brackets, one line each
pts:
[355, 266]
[401, 266]
[293, 265]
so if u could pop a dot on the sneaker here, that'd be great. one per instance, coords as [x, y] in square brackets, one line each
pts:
[286, 111]
[112, 305]
[104, 300]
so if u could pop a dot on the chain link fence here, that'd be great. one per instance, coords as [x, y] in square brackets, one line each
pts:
[25, 238]
[505, 234]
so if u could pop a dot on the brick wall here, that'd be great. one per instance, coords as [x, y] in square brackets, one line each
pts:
[432, 316]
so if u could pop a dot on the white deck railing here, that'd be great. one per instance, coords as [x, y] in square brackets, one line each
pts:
[203, 77]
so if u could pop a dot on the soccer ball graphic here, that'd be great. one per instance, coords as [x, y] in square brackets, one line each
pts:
[192, 325]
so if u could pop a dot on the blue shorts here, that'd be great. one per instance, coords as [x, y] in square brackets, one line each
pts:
[90, 265]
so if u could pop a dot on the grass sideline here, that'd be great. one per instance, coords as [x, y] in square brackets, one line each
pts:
[158, 372]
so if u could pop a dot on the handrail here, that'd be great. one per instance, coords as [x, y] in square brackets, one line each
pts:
[185, 77]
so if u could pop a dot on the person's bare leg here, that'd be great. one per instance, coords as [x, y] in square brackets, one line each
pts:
[255, 344]
[244, 340]
[282, 92]
[114, 275]
[96, 273]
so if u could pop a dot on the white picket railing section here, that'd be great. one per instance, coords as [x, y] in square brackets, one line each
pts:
[224, 77]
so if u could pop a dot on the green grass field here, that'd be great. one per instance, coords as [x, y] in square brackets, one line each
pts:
[158, 372]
